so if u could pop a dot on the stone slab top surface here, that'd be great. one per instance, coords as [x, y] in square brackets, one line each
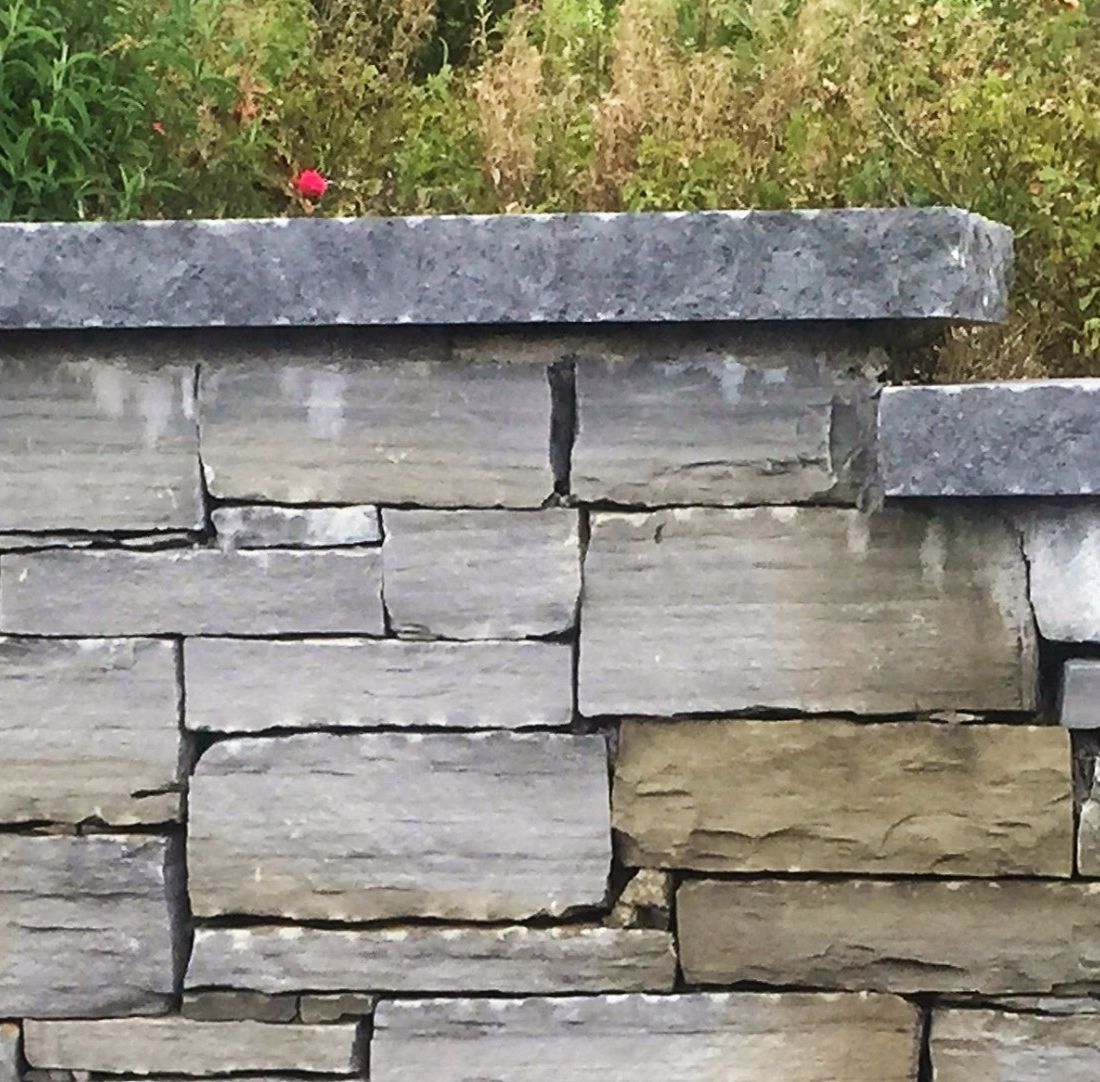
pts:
[860, 264]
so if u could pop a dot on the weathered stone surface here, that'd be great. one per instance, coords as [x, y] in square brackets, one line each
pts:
[196, 592]
[1088, 829]
[263, 527]
[1079, 706]
[685, 1038]
[837, 796]
[89, 729]
[86, 925]
[95, 440]
[964, 935]
[1034, 438]
[236, 1005]
[1063, 550]
[144, 1046]
[482, 574]
[991, 1046]
[388, 825]
[242, 685]
[9, 1052]
[936, 263]
[146, 542]
[814, 609]
[533, 961]
[645, 901]
[339, 1007]
[335, 426]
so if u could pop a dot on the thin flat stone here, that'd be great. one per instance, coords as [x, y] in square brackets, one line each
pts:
[263, 527]
[1079, 706]
[390, 825]
[9, 1052]
[1088, 829]
[836, 796]
[191, 592]
[248, 686]
[225, 1005]
[531, 961]
[482, 574]
[956, 935]
[813, 609]
[88, 926]
[683, 1038]
[1063, 551]
[339, 1007]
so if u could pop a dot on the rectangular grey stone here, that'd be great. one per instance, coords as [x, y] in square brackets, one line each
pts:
[1079, 702]
[145, 1046]
[237, 685]
[9, 1052]
[337, 1007]
[482, 574]
[814, 609]
[264, 527]
[516, 960]
[234, 1005]
[468, 827]
[96, 439]
[90, 730]
[1063, 551]
[334, 426]
[191, 592]
[1033, 438]
[88, 925]
[743, 1037]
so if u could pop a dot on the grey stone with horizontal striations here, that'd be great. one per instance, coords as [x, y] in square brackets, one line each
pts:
[234, 1005]
[88, 926]
[389, 825]
[1079, 704]
[482, 574]
[336, 1007]
[908, 264]
[90, 730]
[683, 1038]
[9, 1052]
[1062, 543]
[245, 685]
[191, 592]
[261, 527]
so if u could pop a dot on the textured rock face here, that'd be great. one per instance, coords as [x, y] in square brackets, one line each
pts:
[1088, 830]
[86, 926]
[532, 961]
[90, 730]
[903, 936]
[387, 825]
[1080, 702]
[241, 686]
[235, 1006]
[95, 441]
[1063, 550]
[9, 1052]
[1038, 438]
[735, 1038]
[296, 527]
[482, 574]
[836, 796]
[193, 592]
[824, 609]
[343, 428]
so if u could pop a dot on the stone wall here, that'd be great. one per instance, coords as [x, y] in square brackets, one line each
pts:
[539, 650]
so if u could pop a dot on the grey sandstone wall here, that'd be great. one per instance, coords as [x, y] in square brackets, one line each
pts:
[540, 650]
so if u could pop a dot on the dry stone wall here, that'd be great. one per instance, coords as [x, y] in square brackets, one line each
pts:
[539, 650]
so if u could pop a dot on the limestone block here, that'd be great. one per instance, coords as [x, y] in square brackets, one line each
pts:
[1079, 706]
[87, 925]
[144, 1046]
[338, 1007]
[682, 1038]
[962, 935]
[1063, 550]
[1088, 829]
[334, 426]
[482, 574]
[263, 527]
[821, 795]
[485, 826]
[814, 609]
[191, 592]
[532, 961]
[96, 440]
[9, 1052]
[224, 1005]
[246, 685]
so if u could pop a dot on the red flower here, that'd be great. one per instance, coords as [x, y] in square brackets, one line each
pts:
[158, 127]
[310, 183]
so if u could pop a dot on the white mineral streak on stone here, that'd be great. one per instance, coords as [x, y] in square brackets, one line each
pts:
[683, 1038]
[325, 404]
[262, 527]
[1063, 549]
[383, 826]
[933, 554]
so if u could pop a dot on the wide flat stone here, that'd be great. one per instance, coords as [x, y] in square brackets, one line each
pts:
[243, 685]
[9, 1052]
[682, 1038]
[191, 592]
[234, 1005]
[1027, 438]
[958, 935]
[389, 825]
[352, 425]
[264, 527]
[1079, 704]
[815, 609]
[836, 796]
[1063, 551]
[935, 263]
[144, 1046]
[531, 961]
[482, 574]
[87, 925]
[95, 438]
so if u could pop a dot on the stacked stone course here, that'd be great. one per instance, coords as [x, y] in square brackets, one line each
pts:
[602, 677]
